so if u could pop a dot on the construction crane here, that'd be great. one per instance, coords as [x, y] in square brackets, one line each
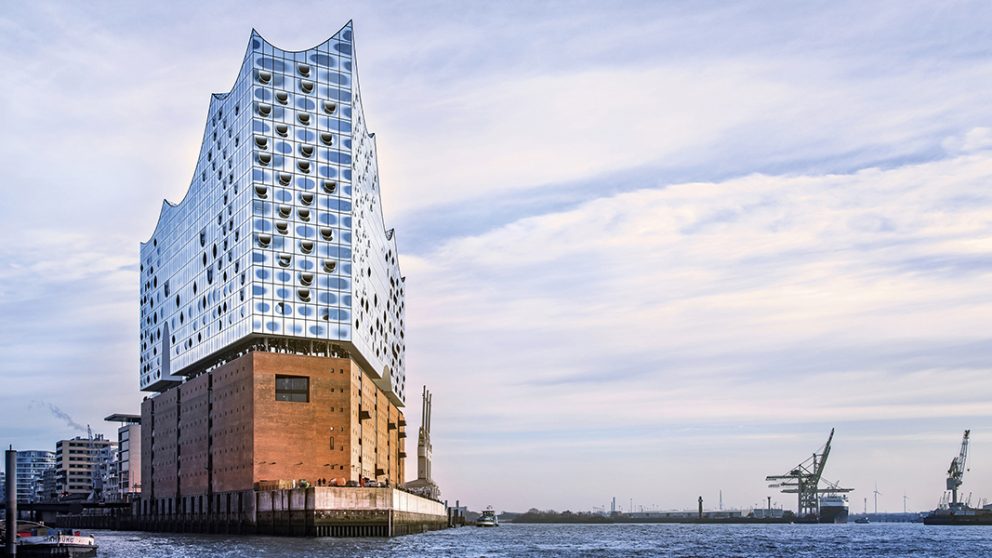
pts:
[804, 480]
[955, 473]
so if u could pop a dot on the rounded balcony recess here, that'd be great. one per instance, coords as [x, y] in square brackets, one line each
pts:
[303, 294]
[282, 97]
[306, 279]
[285, 260]
[330, 186]
[303, 214]
[330, 266]
[330, 107]
[262, 142]
[327, 138]
[306, 199]
[285, 211]
[264, 240]
[282, 129]
[306, 246]
[285, 178]
[327, 233]
[282, 227]
[264, 109]
[304, 166]
[265, 158]
[261, 191]
[304, 118]
[306, 86]
[306, 150]
[263, 76]
[303, 69]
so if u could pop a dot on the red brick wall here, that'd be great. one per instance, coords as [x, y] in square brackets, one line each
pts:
[233, 408]
[253, 437]
[193, 419]
[293, 440]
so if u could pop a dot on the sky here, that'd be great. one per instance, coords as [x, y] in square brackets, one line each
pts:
[653, 250]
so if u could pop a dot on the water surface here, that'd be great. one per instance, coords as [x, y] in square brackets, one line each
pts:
[739, 541]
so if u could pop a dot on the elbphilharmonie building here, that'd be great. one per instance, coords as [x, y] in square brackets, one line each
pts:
[272, 304]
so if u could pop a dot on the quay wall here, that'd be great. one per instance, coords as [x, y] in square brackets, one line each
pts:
[301, 512]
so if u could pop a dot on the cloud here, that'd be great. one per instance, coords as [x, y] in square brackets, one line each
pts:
[975, 139]
[756, 302]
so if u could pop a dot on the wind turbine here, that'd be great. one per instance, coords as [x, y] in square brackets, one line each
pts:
[877, 494]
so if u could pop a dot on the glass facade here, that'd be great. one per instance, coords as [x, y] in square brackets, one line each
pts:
[281, 235]
[31, 466]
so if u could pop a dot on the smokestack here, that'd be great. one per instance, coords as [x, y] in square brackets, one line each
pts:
[11, 501]
[700, 507]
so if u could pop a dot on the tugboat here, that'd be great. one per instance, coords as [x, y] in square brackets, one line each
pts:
[36, 539]
[488, 518]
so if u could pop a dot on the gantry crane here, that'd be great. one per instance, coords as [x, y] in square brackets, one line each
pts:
[955, 473]
[804, 480]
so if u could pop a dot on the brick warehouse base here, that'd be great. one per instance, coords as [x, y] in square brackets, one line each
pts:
[301, 512]
[227, 430]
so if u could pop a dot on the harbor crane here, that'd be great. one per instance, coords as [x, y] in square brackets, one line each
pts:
[955, 474]
[804, 480]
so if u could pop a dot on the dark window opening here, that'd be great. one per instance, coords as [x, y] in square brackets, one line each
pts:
[293, 388]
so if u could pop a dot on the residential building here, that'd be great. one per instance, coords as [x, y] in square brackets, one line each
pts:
[83, 466]
[272, 303]
[31, 465]
[128, 464]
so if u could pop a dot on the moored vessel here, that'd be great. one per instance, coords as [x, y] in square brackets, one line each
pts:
[956, 512]
[959, 515]
[833, 508]
[36, 539]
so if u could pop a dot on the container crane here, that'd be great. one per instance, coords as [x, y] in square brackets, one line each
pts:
[804, 480]
[955, 473]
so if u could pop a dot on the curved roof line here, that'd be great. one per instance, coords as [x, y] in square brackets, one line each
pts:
[218, 97]
[355, 91]
[255, 33]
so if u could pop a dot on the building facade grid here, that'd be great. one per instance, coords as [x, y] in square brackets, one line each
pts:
[281, 234]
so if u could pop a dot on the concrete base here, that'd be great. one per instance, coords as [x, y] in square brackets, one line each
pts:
[301, 512]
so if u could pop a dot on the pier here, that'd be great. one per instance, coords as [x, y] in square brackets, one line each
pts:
[300, 512]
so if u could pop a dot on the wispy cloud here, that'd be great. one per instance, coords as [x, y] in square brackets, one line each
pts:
[759, 301]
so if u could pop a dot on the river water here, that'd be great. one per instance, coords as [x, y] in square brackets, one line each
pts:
[738, 541]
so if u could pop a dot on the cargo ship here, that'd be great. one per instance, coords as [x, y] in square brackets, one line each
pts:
[955, 512]
[833, 508]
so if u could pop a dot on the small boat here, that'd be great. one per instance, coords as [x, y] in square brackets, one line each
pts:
[488, 518]
[36, 539]
[862, 520]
